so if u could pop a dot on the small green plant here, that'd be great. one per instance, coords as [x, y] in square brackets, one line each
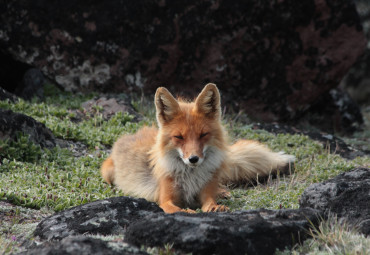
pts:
[21, 148]
[17, 226]
[7, 245]
[166, 250]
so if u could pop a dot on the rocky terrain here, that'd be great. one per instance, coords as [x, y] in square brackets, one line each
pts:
[274, 60]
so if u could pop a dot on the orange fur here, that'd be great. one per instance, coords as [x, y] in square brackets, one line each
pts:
[183, 163]
[208, 196]
[168, 197]
[107, 170]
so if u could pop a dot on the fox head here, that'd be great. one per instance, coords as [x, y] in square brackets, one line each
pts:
[191, 128]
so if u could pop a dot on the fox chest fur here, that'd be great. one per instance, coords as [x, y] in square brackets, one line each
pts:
[189, 181]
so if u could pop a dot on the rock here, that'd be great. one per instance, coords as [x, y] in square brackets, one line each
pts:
[357, 80]
[83, 245]
[5, 95]
[33, 85]
[108, 107]
[12, 123]
[144, 223]
[335, 112]
[331, 142]
[105, 217]
[254, 232]
[274, 68]
[20, 78]
[79, 149]
[347, 195]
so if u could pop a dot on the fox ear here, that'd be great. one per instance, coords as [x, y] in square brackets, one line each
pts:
[166, 106]
[208, 101]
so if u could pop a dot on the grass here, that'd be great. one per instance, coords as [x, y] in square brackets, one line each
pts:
[333, 237]
[93, 131]
[56, 184]
[54, 180]
[17, 226]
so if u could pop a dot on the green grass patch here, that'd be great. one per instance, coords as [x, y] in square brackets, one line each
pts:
[93, 131]
[20, 149]
[56, 181]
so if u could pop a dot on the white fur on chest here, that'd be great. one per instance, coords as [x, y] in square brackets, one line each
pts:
[190, 181]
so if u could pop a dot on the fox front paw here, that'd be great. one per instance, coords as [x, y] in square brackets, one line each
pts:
[170, 208]
[188, 210]
[216, 208]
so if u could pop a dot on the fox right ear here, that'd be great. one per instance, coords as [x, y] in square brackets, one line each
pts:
[208, 102]
[166, 106]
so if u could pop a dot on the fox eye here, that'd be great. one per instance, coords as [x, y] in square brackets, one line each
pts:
[180, 137]
[203, 135]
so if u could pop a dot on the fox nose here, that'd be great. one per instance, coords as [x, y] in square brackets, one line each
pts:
[193, 159]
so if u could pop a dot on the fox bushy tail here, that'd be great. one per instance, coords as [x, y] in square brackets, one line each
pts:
[249, 160]
[107, 170]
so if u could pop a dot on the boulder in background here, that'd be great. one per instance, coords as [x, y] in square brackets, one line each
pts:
[273, 59]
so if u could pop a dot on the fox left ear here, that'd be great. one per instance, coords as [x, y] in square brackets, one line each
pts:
[208, 102]
[166, 105]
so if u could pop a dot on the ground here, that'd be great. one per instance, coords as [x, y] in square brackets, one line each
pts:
[56, 179]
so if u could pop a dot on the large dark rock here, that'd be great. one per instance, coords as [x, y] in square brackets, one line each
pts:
[11, 124]
[82, 245]
[347, 196]
[105, 217]
[271, 58]
[244, 232]
[144, 223]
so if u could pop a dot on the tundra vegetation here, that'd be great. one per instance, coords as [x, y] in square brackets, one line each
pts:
[40, 181]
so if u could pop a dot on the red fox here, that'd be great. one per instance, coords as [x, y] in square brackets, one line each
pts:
[184, 162]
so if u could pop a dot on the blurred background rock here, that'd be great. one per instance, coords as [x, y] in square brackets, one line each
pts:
[303, 63]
